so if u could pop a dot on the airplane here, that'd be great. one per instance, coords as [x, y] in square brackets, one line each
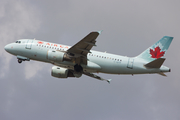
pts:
[80, 59]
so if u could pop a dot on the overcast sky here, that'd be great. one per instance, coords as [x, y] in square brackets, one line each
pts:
[29, 92]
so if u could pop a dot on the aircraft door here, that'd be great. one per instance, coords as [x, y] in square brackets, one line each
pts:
[130, 63]
[29, 44]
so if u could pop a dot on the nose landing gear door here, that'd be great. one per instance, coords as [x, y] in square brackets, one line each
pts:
[29, 44]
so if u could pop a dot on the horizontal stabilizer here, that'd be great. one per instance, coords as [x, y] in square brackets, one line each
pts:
[161, 73]
[155, 63]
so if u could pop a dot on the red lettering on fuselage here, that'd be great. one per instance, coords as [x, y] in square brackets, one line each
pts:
[47, 44]
[66, 47]
[51, 44]
[39, 42]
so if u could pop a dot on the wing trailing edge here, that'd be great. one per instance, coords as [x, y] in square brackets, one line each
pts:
[97, 77]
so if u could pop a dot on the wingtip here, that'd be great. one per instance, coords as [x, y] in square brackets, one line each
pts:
[100, 31]
[109, 80]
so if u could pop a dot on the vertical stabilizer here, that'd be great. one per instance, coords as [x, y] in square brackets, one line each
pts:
[158, 50]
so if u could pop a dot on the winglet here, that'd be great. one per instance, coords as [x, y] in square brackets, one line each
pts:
[100, 31]
[109, 80]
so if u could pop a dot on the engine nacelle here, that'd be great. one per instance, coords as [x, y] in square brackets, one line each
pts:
[57, 56]
[60, 72]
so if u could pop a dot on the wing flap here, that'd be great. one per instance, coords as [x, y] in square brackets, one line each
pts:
[97, 77]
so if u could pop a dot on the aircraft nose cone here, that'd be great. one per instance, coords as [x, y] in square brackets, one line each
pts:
[7, 48]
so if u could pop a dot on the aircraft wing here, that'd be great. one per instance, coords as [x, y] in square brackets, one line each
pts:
[95, 76]
[80, 50]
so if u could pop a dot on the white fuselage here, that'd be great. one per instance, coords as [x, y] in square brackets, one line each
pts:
[96, 61]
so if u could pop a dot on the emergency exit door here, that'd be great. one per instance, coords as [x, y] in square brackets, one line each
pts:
[29, 44]
[130, 63]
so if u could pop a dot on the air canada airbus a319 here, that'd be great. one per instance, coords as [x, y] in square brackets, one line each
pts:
[80, 59]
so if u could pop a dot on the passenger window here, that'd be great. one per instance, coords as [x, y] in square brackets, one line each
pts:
[19, 42]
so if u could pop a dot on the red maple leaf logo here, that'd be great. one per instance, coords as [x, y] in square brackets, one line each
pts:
[156, 53]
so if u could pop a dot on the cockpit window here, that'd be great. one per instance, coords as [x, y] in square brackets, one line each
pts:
[18, 41]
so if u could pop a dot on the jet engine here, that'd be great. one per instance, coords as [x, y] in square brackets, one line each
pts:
[58, 56]
[60, 72]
